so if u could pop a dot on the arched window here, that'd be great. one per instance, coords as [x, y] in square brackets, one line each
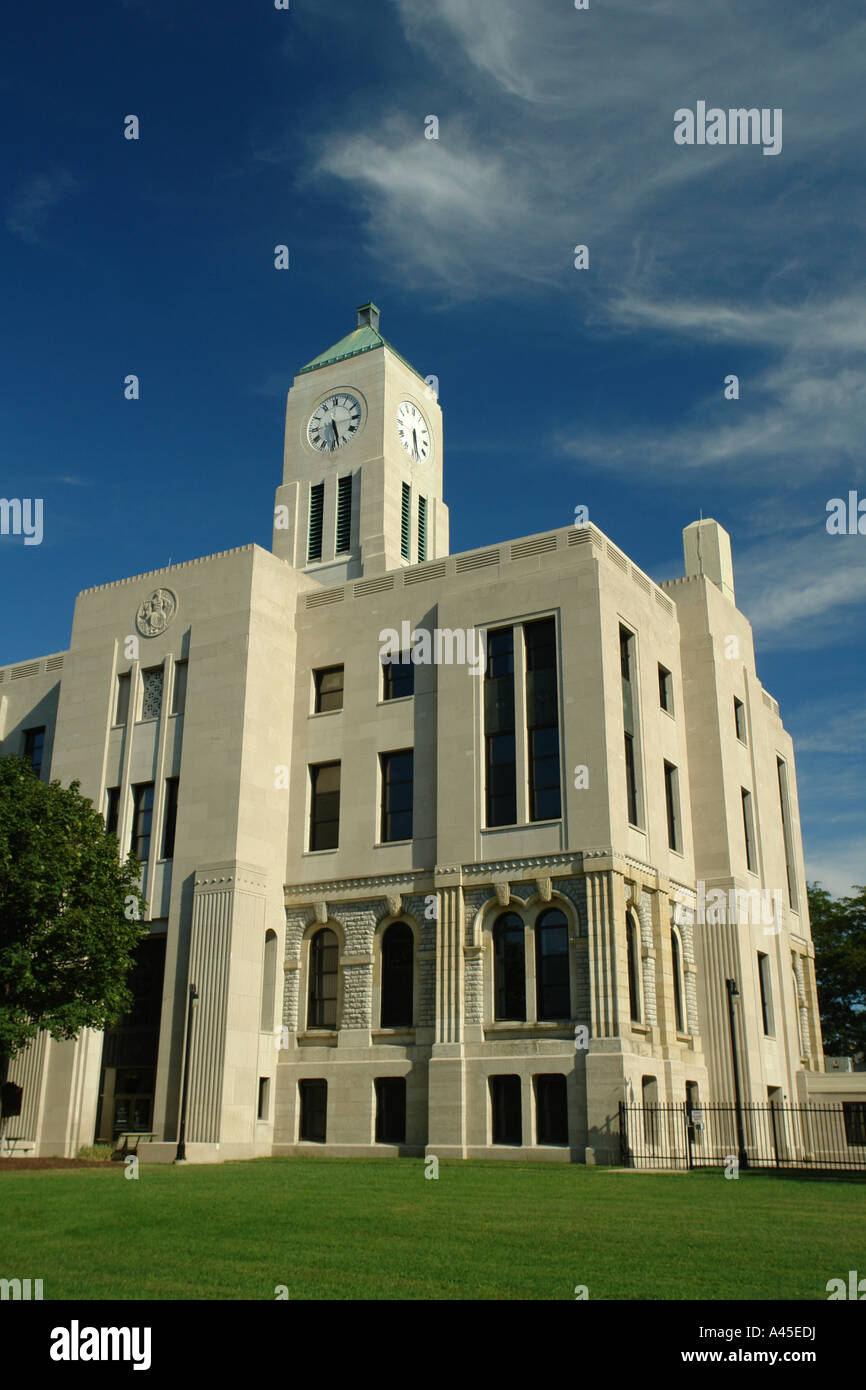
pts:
[269, 981]
[679, 993]
[509, 968]
[551, 965]
[324, 951]
[633, 969]
[398, 962]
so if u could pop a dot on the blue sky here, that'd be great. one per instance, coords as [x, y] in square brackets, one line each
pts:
[604, 387]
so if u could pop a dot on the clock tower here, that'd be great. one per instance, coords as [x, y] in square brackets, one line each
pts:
[362, 473]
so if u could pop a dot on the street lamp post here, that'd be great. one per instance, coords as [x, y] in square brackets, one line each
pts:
[734, 993]
[180, 1156]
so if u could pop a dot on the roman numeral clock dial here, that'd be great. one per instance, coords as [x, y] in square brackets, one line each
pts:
[335, 422]
[413, 431]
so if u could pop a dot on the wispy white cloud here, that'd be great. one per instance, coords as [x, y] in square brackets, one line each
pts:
[33, 202]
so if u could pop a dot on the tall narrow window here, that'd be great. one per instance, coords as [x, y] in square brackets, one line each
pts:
[748, 830]
[766, 994]
[325, 806]
[422, 529]
[633, 969]
[264, 1097]
[553, 994]
[542, 719]
[626, 661]
[112, 809]
[677, 962]
[505, 1107]
[34, 747]
[269, 982]
[121, 702]
[666, 692]
[551, 1109]
[398, 964]
[390, 1109]
[500, 745]
[170, 819]
[344, 514]
[329, 689]
[317, 509]
[314, 1110]
[397, 795]
[672, 804]
[322, 1011]
[405, 521]
[142, 817]
[785, 809]
[151, 692]
[740, 719]
[178, 699]
[398, 678]
[509, 968]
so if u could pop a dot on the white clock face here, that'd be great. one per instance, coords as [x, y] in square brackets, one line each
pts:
[413, 431]
[335, 422]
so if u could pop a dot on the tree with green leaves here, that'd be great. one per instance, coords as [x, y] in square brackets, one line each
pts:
[70, 913]
[839, 934]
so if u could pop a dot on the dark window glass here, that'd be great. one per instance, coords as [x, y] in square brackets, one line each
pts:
[501, 758]
[551, 1109]
[178, 699]
[121, 705]
[398, 957]
[325, 806]
[506, 1108]
[398, 678]
[344, 514]
[264, 1087]
[329, 689]
[324, 951]
[142, 818]
[854, 1113]
[397, 793]
[672, 803]
[112, 809]
[34, 747]
[509, 968]
[542, 719]
[314, 1111]
[131, 1045]
[317, 508]
[405, 521]
[740, 719]
[782, 773]
[679, 1009]
[171, 787]
[390, 1110]
[766, 994]
[748, 829]
[633, 966]
[666, 698]
[551, 966]
[422, 529]
[631, 780]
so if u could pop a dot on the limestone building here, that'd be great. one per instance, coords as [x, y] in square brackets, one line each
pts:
[451, 902]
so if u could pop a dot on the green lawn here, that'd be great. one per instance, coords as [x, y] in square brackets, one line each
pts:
[358, 1228]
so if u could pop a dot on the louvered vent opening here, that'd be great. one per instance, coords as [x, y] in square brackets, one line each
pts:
[619, 560]
[405, 521]
[640, 580]
[422, 529]
[432, 571]
[317, 508]
[664, 603]
[537, 546]
[344, 514]
[476, 562]
[54, 663]
[19, 672]
[374, 586]
[580, 536]
[327, 596]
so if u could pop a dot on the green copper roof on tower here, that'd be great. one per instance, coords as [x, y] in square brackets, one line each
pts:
[364, 338]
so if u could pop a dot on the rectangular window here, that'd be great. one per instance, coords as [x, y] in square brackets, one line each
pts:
[344, 514]
[766, 994]
[314, 534]
[264, 1089]
[551, 1109]
[405, 521]
[422, 529]
[740, 720]
[178, 697]
[666, 690]
[314, 1111]
[398, 679]
[854, 1115]
[672, 802]
[542, 720]
[784, 805]
[500, 745]
[170, 818]
[626, 662]
[151, 692]
[325, 805]
[553, 992]
[631, 780]
[329, 688]
[142, 818]
[121, 702]
[390, 1109]
[112, 810]
[397, 795]
[506, 1110]
[34, 747]
[748, 829]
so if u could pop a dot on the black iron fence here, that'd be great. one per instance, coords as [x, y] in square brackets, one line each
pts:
[768, 1136]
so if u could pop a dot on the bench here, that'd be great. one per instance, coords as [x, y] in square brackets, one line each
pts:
[123, 1141]
[7, 1147]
